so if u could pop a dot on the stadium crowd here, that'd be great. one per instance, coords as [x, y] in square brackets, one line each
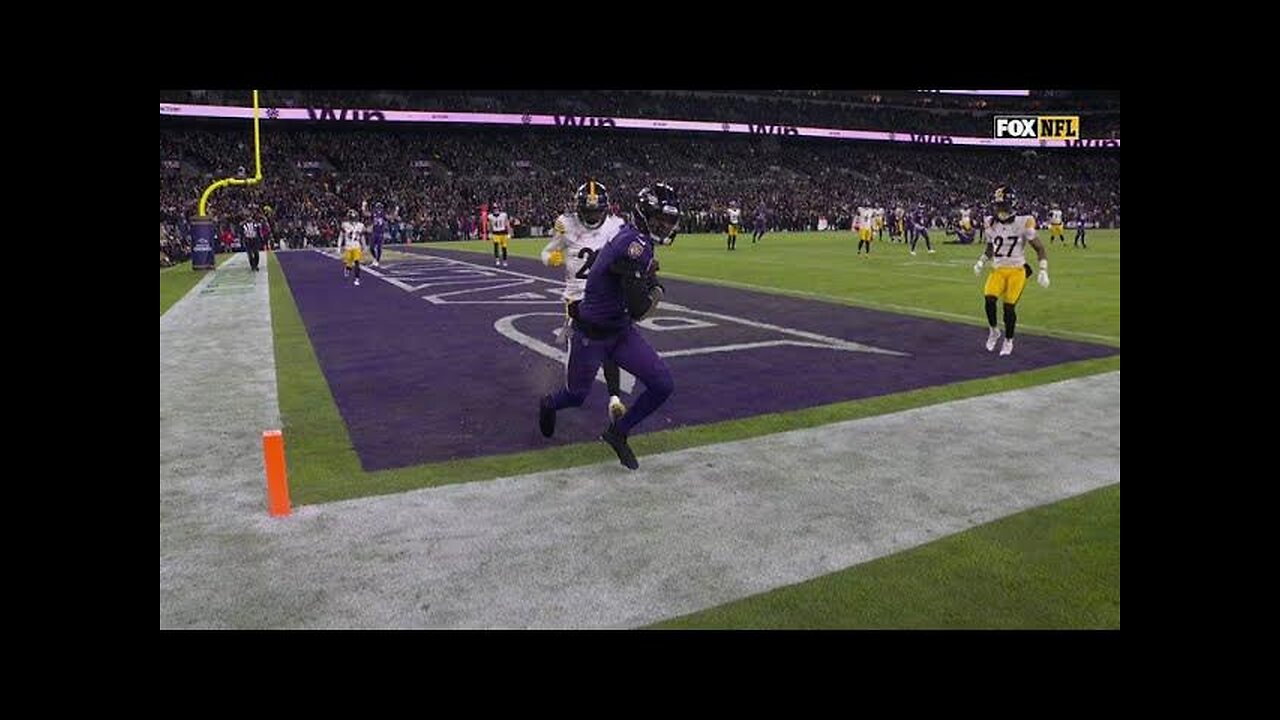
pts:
[432, 181]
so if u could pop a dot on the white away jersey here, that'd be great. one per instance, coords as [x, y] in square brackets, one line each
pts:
[498, 223]
[352, 233]
[1008, 240]
[579, 244]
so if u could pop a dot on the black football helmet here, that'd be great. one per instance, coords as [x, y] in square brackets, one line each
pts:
[1003, 203]
[592, 201]
[657, 212]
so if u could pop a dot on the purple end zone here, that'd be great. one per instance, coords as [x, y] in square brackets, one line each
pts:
[419, 381]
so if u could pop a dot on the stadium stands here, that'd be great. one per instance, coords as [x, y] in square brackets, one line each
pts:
[435, 177]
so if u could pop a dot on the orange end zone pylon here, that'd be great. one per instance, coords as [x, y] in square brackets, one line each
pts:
[277, 480]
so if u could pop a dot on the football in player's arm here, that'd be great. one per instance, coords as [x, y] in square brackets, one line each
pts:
[621, 287]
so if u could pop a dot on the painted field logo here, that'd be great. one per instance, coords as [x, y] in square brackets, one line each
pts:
[1044, 127]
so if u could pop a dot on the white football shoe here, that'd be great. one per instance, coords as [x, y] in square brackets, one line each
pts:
[616, 407]
[992, 338]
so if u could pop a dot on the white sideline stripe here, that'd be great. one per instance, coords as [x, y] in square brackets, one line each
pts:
[598, 546]
[590, 546]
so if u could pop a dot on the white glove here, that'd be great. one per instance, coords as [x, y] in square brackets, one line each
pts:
[1043, 278]
[977, 267]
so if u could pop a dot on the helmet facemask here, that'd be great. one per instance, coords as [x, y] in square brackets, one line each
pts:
[662, 227]
[592, 217]
[593, 204]
[1002, 204]
[658, 213]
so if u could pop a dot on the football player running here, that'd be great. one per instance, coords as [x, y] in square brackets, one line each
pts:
[622, 287]
[575, 240]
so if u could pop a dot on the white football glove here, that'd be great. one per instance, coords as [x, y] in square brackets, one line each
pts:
[977, 267]
[1043, 277]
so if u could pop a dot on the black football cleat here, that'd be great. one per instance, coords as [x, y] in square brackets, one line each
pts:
[546, 417]
[618, 442]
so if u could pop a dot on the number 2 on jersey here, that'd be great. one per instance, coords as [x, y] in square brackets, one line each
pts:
[590, 255]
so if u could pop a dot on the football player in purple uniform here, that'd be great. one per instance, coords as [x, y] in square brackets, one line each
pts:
[622, 287]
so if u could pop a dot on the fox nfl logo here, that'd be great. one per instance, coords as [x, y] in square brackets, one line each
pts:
[1043, 127]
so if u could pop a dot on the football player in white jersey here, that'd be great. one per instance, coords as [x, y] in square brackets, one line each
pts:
[898, 229]
[735, 222]
[352, 244]
[1055, 225]
[964, 230]
[862, 225]
[500, 231]
[575, 239]
[1008, 235]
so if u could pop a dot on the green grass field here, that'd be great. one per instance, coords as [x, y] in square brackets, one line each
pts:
[1082, 302]
[177, 281]
[1056, 566]
[1075, 544]
[324, 467]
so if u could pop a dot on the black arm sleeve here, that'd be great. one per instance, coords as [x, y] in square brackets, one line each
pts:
[636, 292]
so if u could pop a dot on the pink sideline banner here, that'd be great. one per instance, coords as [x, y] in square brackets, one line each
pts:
[350, 115]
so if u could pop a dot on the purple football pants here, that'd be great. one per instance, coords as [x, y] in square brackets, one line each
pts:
[632, 353]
